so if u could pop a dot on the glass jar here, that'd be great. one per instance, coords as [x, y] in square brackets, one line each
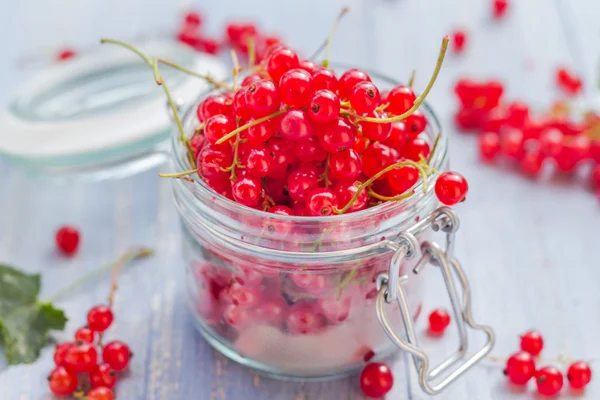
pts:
[301, 297]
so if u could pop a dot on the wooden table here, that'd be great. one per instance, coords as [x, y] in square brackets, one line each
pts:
[528, 247]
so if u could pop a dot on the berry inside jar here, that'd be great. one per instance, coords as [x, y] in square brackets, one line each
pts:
[290, 180]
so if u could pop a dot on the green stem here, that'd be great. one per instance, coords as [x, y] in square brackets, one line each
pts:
[251, 52]
[207, 78]
[402, 196]
[249, 125]
[419, 99]
[336, 22]
[384, 171]
[411, 81]
[433, 149]
[325, 173]
[127, 257]
[236, 68]
[235, 163]
[179, 174]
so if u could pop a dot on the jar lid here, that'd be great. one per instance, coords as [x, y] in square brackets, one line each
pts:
[100, 110]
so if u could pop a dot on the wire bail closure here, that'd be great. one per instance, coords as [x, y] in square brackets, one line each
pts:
[390, 289]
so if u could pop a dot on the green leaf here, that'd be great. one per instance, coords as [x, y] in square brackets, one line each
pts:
[24, 320]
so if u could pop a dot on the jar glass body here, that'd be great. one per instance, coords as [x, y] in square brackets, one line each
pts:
[294, 297]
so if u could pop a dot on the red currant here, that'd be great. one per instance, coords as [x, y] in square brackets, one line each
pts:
[416, 148]
[282, 158]
[398, 136]
[531, 163]
[262, 98]
[439, 320]
[103, 375]
[295, 125]
[551, 142]
[280, 61]
[300, 184]
[532, 342]
[258, 162]
[197, 143]
[345, 165]
[499, 8]
[467, 92]
[81, 358]
[67, 240]
[303, 318]
[375, 131]
[376, 380]
[221, 186]
[568, 82]
[349, 79]
[403, 178]
[240, 105]
[376, 158]
[117, 355]
[451, 188]
[247, 191]
[401, 99]
[61, 352]
[308, 65]
[459, 39]
[321, 202]
[218, 126]
[364, 97]
[520, 368]
[260, 133]
[596, 176]
[62, 382]
[324, 106]
[512, 143]
[214, 105]
[99, 318]
[100, 393]
[338, 135]
[324, 78]
[193, 18]
[549, 381]
[595, 150]
[66, 54]
[415, 123]
[579, 375]
[296, 88]
[518, 114]
[188, 35]
[211, 162]
[345, 191]
[84, 334]
[309, 150]
[489, 146]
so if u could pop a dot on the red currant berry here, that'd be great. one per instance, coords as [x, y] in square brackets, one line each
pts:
[250, 79]
[271, 312]
[300, 184]
[197, 143]
[398, 136]
[551, 142]
[596, 176]
[308, 65]
[99, 318]
[103, 375]
[66, 54]
[244, 296]
[467, 92]
[303, 318]
[415, 123]
[67, 240]
[345, 191]
[81, 358]
[188, 35]
[324, 106]
[595, 150]
[211, 162]
[61, 352]
[247, 191]
[310, 150]
[206, 45]
[100, 393]
[495, 119]
[282, 158]
[364, 97]
[236, 316]
[468, 119]
[62, 382]
[214, 105]
[579, 375]
[240, 105]
[512, 142]
[295, 125]
[218, 126]
[499, 8]
[280, 61]
[117, 355]
[262, 98]
[520, 368]
[568, 82]
[193, 18]
[221, 186]
[360, 145]
[518, 114]
[451, 188]
[401, 99]
[489, 146]
[416, 148]
[324, 78]
[376, 380]
[459, 39]
[532, 162]
[403, 178]
[439, 320]
[296, 88]
[375, 131]
[376, 158]
[84, 335]
[549, 381]
[338, 135]
[321, 202]
[258, 162]
[532, 342]
[349, 79]
[260, 133]
[345, 165]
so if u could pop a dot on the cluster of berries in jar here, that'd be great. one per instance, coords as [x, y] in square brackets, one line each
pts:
[297, 139]
[86, 366]
[508, 130]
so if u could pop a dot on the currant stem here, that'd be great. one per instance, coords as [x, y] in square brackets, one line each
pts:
[382, 107]
[235, 163]
[411, 81]
[402, 196]
[434, 148]
[251, 52]
[236, 68]
[249, 125]
[372, 179]
[207, 78]
[336, 22]
[326, 172]
[179, 174]
[131, 255]
[419, 99]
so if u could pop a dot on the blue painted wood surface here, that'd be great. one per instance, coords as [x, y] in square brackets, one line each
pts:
[528, 247]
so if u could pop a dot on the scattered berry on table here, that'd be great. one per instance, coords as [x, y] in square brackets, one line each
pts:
[376, 380]
[62, 382]
[67, 240]
[499, 8]
[549, 381]
[579, 375]
[520, 368]
[459, 41]
[532, 342]
[439, 320]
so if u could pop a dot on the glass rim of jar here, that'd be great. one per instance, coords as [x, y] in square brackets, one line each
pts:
[437, 161]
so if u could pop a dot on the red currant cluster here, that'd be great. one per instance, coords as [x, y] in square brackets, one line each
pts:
[509, 131]
[240, 36]
[294, 139]
[521, 368]
[77, 369]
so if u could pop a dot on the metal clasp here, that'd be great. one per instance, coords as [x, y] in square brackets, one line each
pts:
[390, 288]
